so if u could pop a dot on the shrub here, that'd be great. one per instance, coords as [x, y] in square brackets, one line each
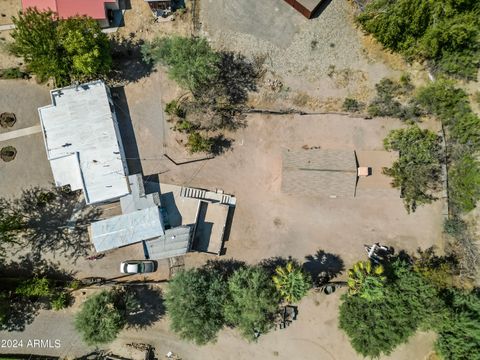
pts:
[60, 301]
[173, 108]
[438, 270]
[464, 184]
[418, 169]
[366, 280]
[195, 301]
[253, 301]
[34, 287]
[75, 284]
[352, 105]
[387, 101]
[291, 282]
[454, 226]
[12, 73]
[199, 143]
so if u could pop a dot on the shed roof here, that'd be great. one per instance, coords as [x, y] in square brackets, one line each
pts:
[324, 173]
[83, 142]
[175, 242]
[127, 229]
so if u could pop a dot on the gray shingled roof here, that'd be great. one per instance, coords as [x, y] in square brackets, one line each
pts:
[321, 173]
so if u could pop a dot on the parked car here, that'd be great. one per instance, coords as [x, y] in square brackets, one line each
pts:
[137, 266]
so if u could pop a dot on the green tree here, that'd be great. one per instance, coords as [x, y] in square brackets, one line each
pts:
[409, 303]
[459, 336]
[445, 33]
[103, 315]
[62, 49]
[366, 280]
[191, 61]
[418, 169]
[253, 301]
[195, 301]
[292, 282]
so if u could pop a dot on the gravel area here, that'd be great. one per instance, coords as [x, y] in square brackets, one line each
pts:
[324, 57]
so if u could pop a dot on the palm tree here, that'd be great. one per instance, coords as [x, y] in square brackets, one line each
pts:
[366, 280]
[291, 282]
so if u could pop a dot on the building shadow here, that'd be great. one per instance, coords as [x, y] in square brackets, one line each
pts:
[327, 264]
[167, 200]
[228, 223]
[127, 132]
[321, 9]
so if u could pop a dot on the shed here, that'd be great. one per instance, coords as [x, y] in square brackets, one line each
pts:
[307, 8]
[127, 229]
[321, 173]
[174, 242]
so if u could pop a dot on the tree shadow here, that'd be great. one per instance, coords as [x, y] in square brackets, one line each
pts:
[127, 60]
[151, 307]
[330, 265]
[20, 313]
[221, 144]
[30, 265]
[237, 76]
[271, 264]
[55, 220]
[225, 267]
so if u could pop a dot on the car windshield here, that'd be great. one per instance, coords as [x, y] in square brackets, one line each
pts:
[141, 267]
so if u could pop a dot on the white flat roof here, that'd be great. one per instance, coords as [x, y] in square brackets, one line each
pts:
[127, 229]
[83, 142]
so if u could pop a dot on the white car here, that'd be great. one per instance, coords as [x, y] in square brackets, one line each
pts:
[137, 266]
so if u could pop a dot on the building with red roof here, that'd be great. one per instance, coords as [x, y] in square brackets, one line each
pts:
[97, 9]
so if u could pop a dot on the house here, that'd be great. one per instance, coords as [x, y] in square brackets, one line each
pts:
[332, 173]
[168, 223]
[83, 143]
[307, 8]
[100, 10]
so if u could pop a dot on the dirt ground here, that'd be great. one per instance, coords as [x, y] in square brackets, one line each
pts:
[9, 8]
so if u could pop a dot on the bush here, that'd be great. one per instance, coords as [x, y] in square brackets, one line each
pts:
[195, 301]
[387, 101]
[103, 315]
[191, 61]
[418, 169]
[454, 226]
[173, 108]
[75, 284]
[438, 270]
[366, 280]
[199, 143]
[253, 302]
[35, 287]
[352, 105]
[291, 282]
[464, 184]
[12, 73]
[60, 300]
